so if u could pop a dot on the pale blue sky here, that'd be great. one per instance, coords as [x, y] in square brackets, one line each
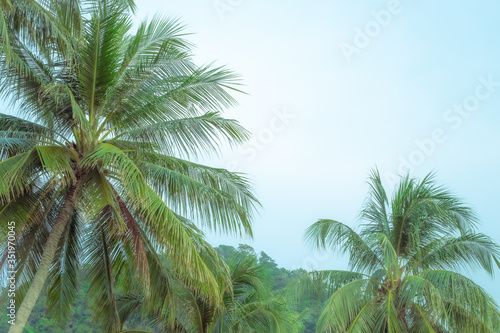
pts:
[322, 120]
[352, 114]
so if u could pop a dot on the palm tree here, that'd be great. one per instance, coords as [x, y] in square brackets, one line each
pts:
[245, 303]
[96, 174]
[406, 262]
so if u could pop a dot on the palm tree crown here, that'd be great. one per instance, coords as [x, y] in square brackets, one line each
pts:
[406, 261]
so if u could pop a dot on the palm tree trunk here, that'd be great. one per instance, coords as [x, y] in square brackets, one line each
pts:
[49, 252]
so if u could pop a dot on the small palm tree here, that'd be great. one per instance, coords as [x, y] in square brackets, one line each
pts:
[97, 174]
[406, 261]
[245, 303]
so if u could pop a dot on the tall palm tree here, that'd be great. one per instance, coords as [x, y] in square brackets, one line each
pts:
[248, 305]
[406, 261]
[97, 173]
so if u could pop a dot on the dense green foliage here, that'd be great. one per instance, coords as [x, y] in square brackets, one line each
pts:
[41, 321]
[277, 278]
[244, 304]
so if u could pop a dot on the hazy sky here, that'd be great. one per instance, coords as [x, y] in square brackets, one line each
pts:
[337, 87]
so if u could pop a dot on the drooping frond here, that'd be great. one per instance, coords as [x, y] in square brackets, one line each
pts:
[102, 261]
[462, 252]
[189, 136]
[34, 212]
[330, 234]
[217, 198]
[349, 307]
[62, 281]
[466, 302]
[320, 285]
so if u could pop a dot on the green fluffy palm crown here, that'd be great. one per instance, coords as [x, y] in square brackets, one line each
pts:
[406, 262]
[95, 170]
[247, 305]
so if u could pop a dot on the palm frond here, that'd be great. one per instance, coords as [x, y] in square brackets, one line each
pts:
[189, 136]
[62, 280]
[462, 252]
[330, 234]
[215, 197]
